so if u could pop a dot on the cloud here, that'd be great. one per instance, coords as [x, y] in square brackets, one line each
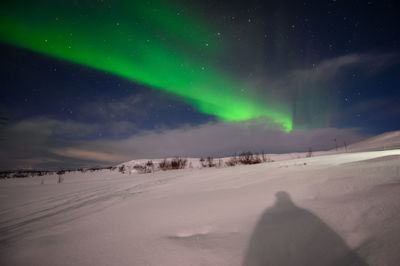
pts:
[324, 75]
[210, 139]
[89, 155]
[333, 67]
[27, 143]
[325, 72]
[44, 126]
[221, 139]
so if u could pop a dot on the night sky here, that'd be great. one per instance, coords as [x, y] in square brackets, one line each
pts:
[94, 83]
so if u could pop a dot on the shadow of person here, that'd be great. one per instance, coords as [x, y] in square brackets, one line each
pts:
[287, 235]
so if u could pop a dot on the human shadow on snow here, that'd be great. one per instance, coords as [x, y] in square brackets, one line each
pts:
[287, 235]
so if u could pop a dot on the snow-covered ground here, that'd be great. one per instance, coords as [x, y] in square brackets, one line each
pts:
[338, 209]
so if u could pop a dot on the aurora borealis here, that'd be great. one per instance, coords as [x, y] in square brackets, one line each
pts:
[88, 83]
[150, 44]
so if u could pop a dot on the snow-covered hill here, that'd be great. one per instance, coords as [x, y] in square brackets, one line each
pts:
[386, 141]
[338, 209]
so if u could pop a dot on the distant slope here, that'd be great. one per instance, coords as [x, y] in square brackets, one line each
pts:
[385, 141]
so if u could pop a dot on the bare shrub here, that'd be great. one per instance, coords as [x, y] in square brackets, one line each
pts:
[249, 158]
[93, 169]
[164, 165]
[309, 153]
[111, 168]
[150, 166]
[60, 176]
[175, 163]
[4, 175]
[20, 175]
[232, 161]
[245, 157]
[265, 158]
[210, 162]
[256, 159]
[122, 169]
[203, 162]
[178, 163]
[141, 169]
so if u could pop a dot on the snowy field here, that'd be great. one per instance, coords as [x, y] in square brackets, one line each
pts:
[339, 209]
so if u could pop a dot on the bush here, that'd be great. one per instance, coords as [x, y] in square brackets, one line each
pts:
[265, 158]
[210, 162]
[232, 161]
[256, 159]
[309, 153]
[20, 175]
[141, 169]
[203, 162]
[148, 167]
[122, 169]
[60, 176]
[248, 158]
[164, 165]
[176, 163]
[111, 168]
[4, 175]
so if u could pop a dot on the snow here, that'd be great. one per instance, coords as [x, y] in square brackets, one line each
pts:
[302, 211]
[386, 141]
[383, 142]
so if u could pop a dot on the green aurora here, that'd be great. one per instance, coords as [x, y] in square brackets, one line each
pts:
[152, 44]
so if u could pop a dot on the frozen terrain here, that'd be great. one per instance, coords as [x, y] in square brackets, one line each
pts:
[335, 209]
